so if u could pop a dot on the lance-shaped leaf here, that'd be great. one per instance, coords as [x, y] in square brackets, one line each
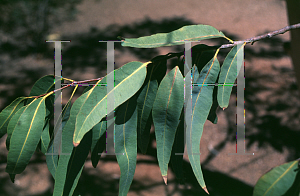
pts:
[98, 141]
[145, 100]
[212, 116]
[281, 180]
[92, 105]
[26, 135]
[126, 143]
[202, 97]
[12, 124]
[42, 86]
[8, 112]
[76, 164]
[61, 186]
[229, 71]
[177, 37]
[165, 113]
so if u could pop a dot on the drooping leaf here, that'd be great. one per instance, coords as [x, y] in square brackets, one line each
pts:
[25, 136]
[92, 104]
[126, 142]
[12, 124]
[165, 113]
[76, 164]
[8, 112]
[146, 97]
[229, 72]
[65, 160]
[212, 116]
[178, 150]
[282, 180]
[177, 37]
[202, 98]
[98, 141]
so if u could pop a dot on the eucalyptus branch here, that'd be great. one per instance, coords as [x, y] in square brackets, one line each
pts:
[247, 41]
[71, 84]
[260, 37]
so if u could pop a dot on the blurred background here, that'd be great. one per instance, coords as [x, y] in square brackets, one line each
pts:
[271, 92]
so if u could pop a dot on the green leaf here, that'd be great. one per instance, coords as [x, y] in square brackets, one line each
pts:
[202, 97]
[45, 138]
[26, 135]
[98, 141]
[76, 164]
[145, 102]
[279, 181]
[177, 37]
[42, 86]
[212, 116]
[64, 162]
[165, 113]
[92, 104]
[8, 112]
[178, 147]
[229, 71]
[126, 143]
[12, 124]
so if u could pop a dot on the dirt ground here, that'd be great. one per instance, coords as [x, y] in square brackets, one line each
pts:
[271, 96]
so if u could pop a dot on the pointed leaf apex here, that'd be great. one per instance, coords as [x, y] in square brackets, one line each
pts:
[204, 188]
[224, 108]
[165, 179]
[75, 144]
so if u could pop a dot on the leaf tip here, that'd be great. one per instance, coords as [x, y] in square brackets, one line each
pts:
[224, 108]
[165, 179]
[205, 189]
[75, 144]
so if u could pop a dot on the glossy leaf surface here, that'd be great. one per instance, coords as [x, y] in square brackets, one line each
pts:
[202, 98]
[126, 143]
[26, 135]
[166, 112]
[92, 105]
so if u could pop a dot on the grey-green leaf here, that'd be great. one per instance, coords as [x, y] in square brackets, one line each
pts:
[165, 113]
[126, 143]
[177, 37]
[92, 104]
[281, 180]
[229, 71]
[8, 112]
[145, 102]
[202, 98]
[25, 136]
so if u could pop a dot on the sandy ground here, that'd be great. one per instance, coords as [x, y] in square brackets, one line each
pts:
[271, 99]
